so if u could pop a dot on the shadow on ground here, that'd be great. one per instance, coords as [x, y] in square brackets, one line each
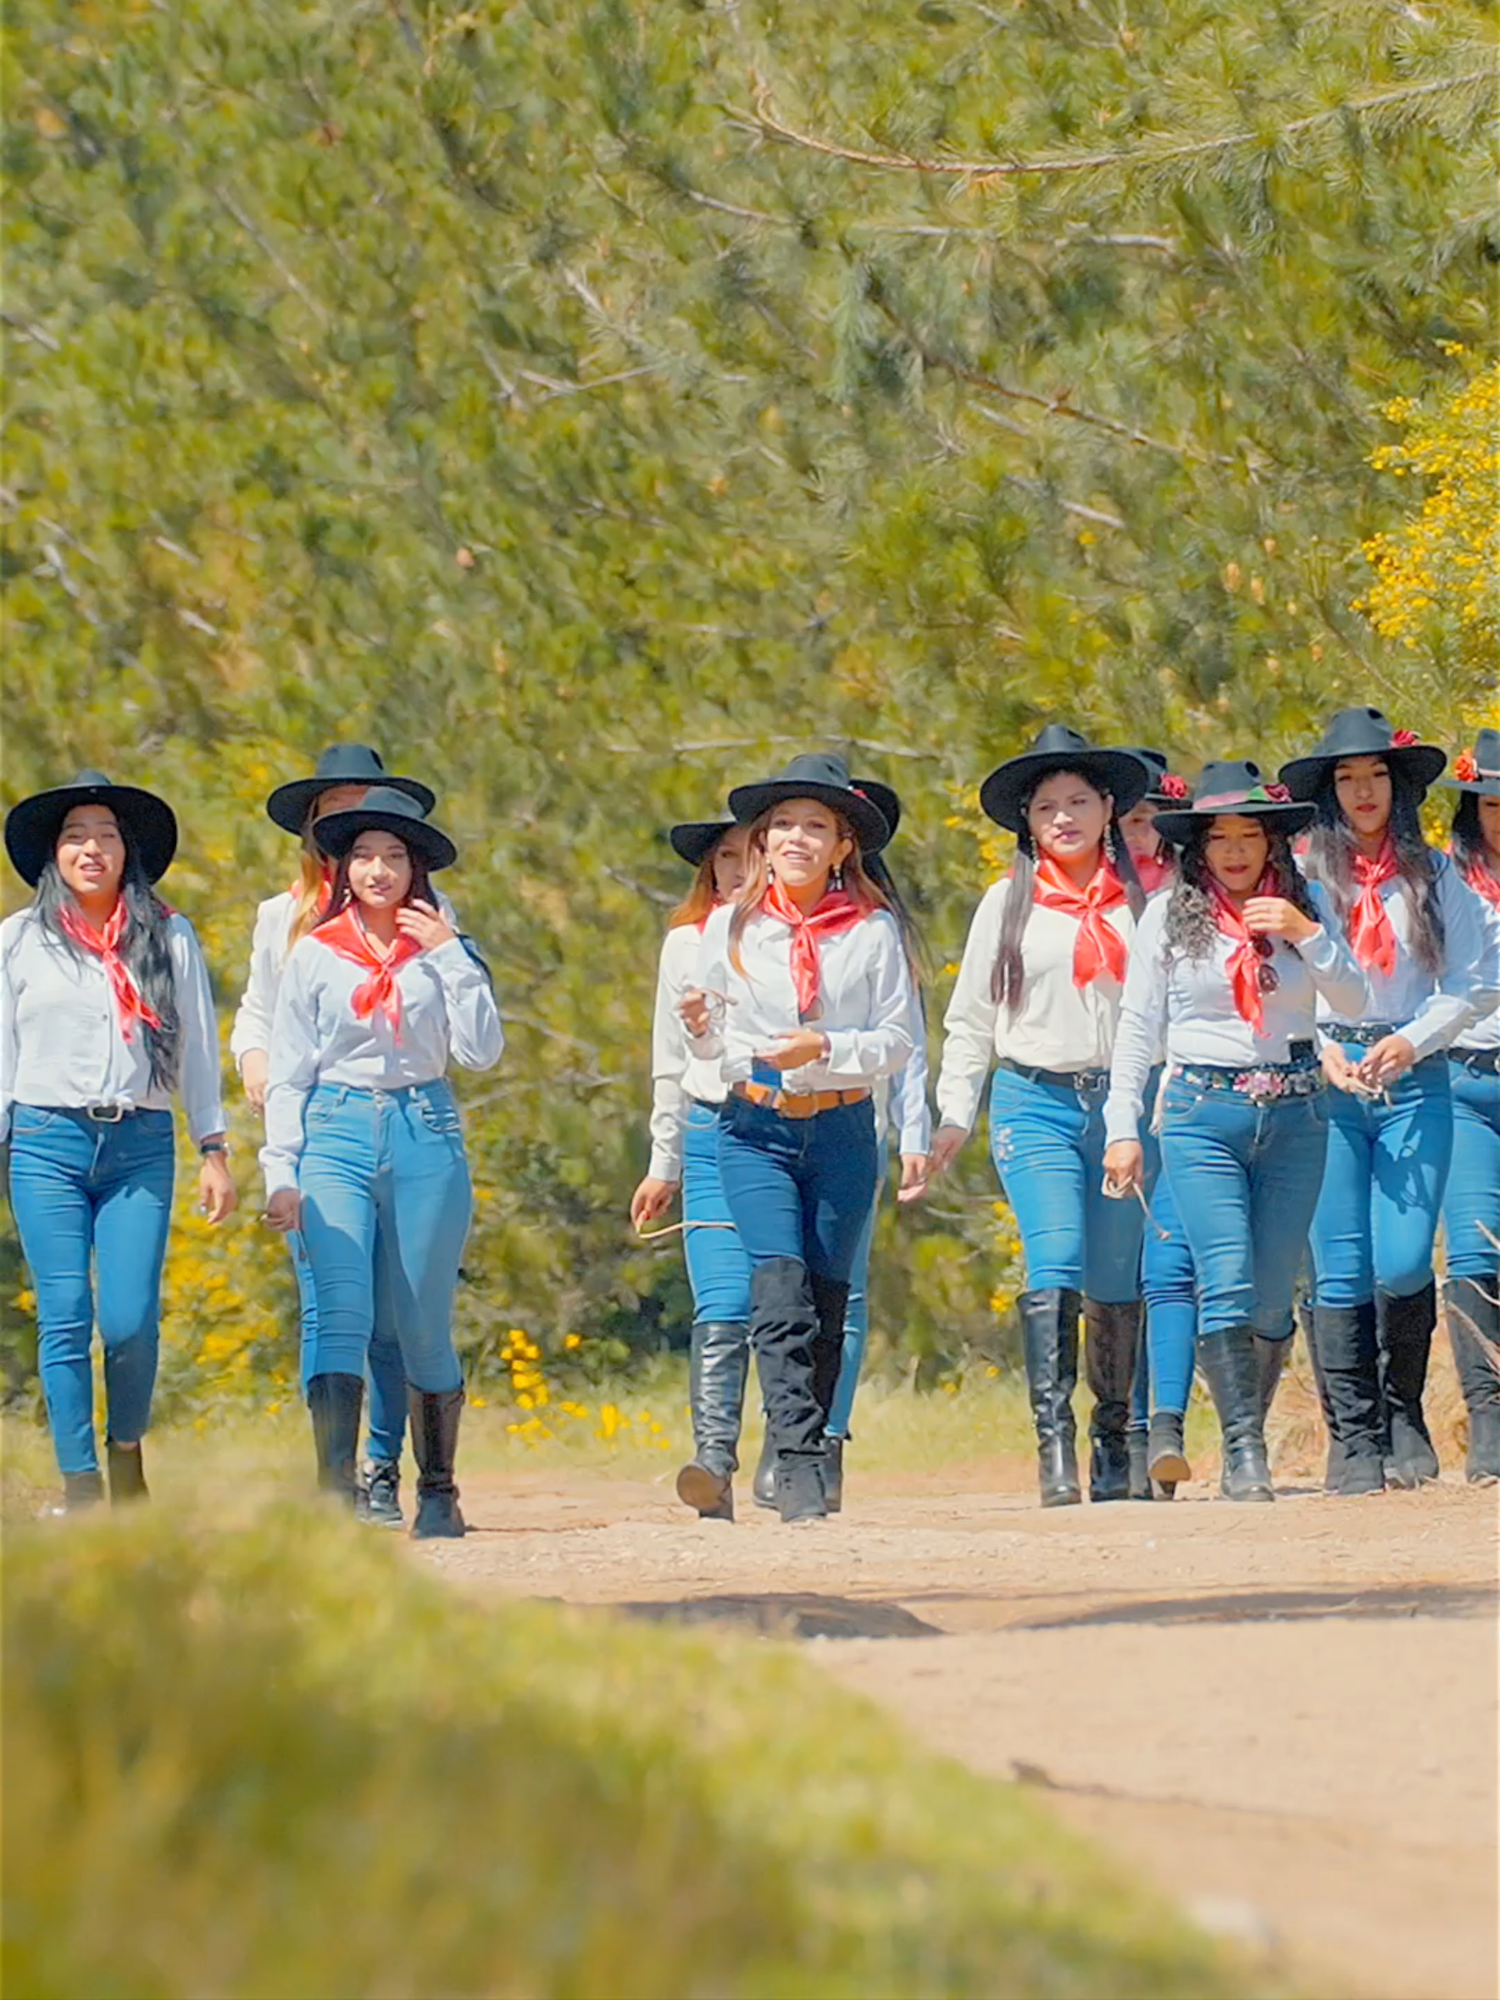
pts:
[1255, 1607]
[794, 1615]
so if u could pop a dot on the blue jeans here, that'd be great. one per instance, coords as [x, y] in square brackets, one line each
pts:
[1244, 1179]
[1047, 1143]
[81, 1192]
[1471, 1201]
[1383, 1188]
[799, 1187]
[857, 1318]
[383, 1177]
[1169, 1286]
[387, 1371]
[718, 1269]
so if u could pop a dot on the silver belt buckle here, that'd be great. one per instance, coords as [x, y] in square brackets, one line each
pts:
[105, 1114]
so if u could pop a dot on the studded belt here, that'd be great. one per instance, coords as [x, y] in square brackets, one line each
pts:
[1262, 1086]
[1089, 1082]
[1363, 1034]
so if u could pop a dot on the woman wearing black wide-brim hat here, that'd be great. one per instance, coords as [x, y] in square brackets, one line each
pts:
[106, 1012]
[1227, 968]
[364, 1152]
[804, 996]
[1038, 995]
[344, 772]
[1419, 936]
[1471, 1201]
[1154, 859]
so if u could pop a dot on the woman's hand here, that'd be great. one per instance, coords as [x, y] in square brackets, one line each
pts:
[914, 1172]
[1387, 1061]
[1340, 1072]
[1274, 916]
[947, 1142]
[426, 924]
[283, 1210]
[1124, 1166]
[255, 1066]
[652, 1198]
[693, 1007]
[217, 1194]
[796, 1050]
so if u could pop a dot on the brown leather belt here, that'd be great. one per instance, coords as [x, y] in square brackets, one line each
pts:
[798, 1104]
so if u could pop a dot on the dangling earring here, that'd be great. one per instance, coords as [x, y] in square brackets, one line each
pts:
[1109, 844]
[836, 879]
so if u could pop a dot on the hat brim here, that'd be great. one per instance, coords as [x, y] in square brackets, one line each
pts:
[885, 803]
[1422, 762]
[339, 831]
[290, 804]
[748, 802]
[1478, 788]
[695, 839]
[32, 826]
[1124, 776]
[1283, 817]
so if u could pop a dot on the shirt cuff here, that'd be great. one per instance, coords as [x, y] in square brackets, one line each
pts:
[1122, 1121]
[664, 1166]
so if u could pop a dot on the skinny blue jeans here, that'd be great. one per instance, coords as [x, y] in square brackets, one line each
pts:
[1244, 1180]
[857, 1317]
[383, 1177]
[1169, 1286]
[1471, 1201]
[1047, 1143]
[86, 1193]
[718, 1269]
[799, 1187]
[1383, 1188]
[387, 1372]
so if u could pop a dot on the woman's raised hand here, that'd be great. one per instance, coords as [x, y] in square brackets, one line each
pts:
[796, 1050]
[426, 924]
[1274, 916]
[694, 1009]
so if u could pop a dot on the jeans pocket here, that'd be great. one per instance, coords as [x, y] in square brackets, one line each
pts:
[440, 1115]
[1180, 1100]
[29, 1121]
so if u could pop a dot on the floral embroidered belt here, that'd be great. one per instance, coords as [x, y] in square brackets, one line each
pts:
[1261, 1086]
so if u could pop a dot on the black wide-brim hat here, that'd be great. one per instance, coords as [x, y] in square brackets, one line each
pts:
[1237, 786]
[822, 776]
[695, 839]
[1485, 763]
[1156, 761]
[341, 764]
[1124, 774]
[1362, 732]
[386, 810]
[32, 825]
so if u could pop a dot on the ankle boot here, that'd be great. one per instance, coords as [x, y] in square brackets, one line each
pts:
[763, 1486]
[1049, 1340]
[1333, 1471]
[1473, 1311]
[127, 1473]
[434, 1441]
[833, 1473]
[1165, 1457]
[379, 1499]
[1403, 1327]
[1111, 1334]
[1346, 1347]
[718, 1366]
[1138, 1447]
[81, 1490]
[334, 1403]
[1270, 1360]
[1227, 1359]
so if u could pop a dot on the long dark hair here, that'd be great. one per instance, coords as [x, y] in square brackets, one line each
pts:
[1191, 927]
[145, 946]
[1008, 979]
[1332, 846]
[881, 878]
[1470, 848]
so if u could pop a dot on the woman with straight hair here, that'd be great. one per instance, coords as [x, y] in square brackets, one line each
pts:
[364, 1150]
[805, 998]
[105, 1012]
[1418, 934]
[343, 774]
[1038, 994]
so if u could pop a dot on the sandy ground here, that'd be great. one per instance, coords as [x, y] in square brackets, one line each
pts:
[1284, 1716]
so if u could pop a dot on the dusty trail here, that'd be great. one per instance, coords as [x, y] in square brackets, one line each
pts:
[1285, 1716]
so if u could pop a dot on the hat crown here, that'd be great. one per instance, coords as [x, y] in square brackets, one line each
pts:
[1357, 732]
[386, 799]
[1157, 759]
[1229, 777]
[1058, 740]
[818, 767]
[1487, 752]
[350, 763]
[88, 781]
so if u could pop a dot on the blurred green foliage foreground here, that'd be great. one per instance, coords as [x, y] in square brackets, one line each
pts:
[280, 1762]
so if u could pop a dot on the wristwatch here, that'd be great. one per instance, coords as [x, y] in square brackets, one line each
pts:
[208, 1146]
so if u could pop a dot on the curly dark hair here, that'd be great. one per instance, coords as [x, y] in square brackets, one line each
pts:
[1332, 846]
[1191, 927]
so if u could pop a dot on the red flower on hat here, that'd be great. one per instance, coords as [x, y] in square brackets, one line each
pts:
[1173, 787]
[1280, 794]
[1465, 769]
[1403, 739]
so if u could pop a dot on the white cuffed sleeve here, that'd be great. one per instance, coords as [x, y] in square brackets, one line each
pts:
[969, 1025]
[885, 1044]
[1142, 1026]
[475, 1034]
[293, 1068]
[1465, 991]
[711, 976]
[252, 1020]
[199, 1075]
[911, 1115]
[669, 1060]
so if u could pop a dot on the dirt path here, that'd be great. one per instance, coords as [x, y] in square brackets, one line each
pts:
[1284, 1716]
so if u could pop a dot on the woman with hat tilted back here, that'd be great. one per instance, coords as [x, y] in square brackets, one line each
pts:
[342, 776]
[1471, 1201]
[105, 1010]
[1418, 934]
[364, 1152]
[1226, 970]
[804, 996]
[1039, 988]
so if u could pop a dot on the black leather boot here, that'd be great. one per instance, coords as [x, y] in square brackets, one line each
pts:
[1166, 1459]
[1270, 1360]
[831, 1302]
[800, 1494]
[1333, 1472]
[833, 1473]
[1473, 1308]
[1345, 1345]
[1227, 1359]
[380, 1493]
[434, 1443]
[763, 1486]
[1138, 1447]
[1110, 1336]
[1049, 1341]
[127, 1473]
[785, 1330]
[82, 1490]
[717, 1370]
[1403, 1327]
[334, 1403]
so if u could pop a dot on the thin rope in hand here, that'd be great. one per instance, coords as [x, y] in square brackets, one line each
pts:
[671, 1229]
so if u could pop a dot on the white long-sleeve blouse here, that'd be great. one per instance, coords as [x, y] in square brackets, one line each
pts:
[61, 1043]
[1484, 1033]
[448, 1011]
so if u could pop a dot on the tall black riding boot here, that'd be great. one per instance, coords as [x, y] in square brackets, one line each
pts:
[434, 1443]
[334, 1403]
[1228, 1361]
[1474, 1329]
[1403, 1327]
[717, 1371]
[763, 1485]
[127, 1473]
[1049, 1341]
[1345, 1345]
[1270, 1360]
[831, 1301]
[785, 1330]
[1333, 1472]
[1166, 1457]
[1110, 1337]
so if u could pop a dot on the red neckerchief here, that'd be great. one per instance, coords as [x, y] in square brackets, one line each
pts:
[1370, 932]
[345, 935]
[1098, 946]
[837, 912]
[1484, 882]
[1244, 961]
[1154, 871]
[105, 944]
